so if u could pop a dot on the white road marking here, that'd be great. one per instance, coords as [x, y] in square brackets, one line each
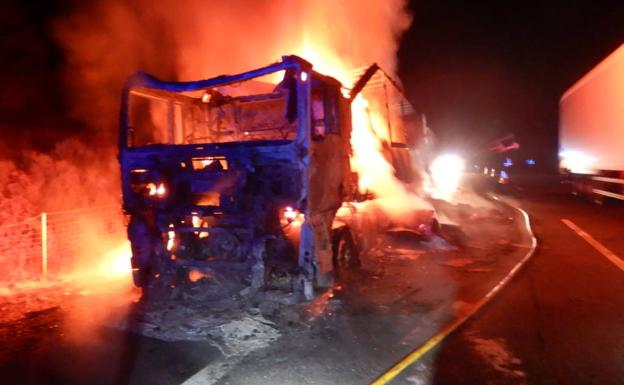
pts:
[611, 256]
[214, 371]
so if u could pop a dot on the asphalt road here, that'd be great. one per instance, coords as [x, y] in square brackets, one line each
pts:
[402, 295]
[560, 321]
[70, 343]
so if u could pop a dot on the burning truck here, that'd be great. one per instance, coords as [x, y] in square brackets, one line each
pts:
[249, 176]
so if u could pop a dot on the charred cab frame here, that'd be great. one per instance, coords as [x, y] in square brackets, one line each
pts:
[246, 208]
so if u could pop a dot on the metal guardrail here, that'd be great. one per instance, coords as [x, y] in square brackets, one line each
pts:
[608, 193]
[608, 180]
[56, 243]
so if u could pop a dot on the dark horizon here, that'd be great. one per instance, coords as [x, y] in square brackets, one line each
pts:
[483, 70]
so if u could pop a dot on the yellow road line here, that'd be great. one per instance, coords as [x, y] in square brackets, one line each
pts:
[423, 349]
[611, 256]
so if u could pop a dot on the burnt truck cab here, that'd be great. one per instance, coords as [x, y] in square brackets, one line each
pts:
[237, 176]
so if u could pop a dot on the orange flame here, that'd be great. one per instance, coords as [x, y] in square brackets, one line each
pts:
[116, 262]
[195, 275]
[375, 173]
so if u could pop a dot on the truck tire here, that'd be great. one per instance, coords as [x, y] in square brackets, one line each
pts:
[140, 277]
[345, 253]
[144, 245]
[141, 262]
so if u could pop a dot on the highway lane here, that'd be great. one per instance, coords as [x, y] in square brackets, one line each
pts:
[402, 296]
[75, 343]
[560, 321]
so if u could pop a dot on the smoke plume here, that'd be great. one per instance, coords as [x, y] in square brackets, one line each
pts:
[72, 175]
[105, 41]
[191, 39]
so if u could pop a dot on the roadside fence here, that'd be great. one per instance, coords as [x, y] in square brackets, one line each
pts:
[57, 243]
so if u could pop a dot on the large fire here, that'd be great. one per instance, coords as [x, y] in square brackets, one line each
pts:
[116, 262]
[197, 39]
[376, 174]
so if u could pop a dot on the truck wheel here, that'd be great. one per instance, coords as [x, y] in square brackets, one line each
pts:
[140, 277]
[145, 252]
[345, 253]
[141, 261]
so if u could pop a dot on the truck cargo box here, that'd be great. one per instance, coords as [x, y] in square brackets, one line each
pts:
[591, 128]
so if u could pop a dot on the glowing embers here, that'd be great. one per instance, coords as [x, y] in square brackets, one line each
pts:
[320, 305]
[209, 198]
[196, 221]
[154, 189]
[199, 223]
[210, 164]
[170, 238]
[143, 183]
[290, 215]
[195, 275]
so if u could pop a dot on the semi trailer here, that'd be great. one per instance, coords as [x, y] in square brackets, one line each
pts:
[591, 131]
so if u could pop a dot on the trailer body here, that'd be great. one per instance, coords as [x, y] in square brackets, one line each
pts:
[591, 130]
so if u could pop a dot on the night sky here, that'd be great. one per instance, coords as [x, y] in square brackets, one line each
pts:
[483, 69]
[478, 69]
[32, 107]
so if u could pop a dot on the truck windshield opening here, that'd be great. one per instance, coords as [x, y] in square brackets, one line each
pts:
[253, 110]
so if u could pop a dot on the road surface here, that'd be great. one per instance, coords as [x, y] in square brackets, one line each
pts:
[561, 320]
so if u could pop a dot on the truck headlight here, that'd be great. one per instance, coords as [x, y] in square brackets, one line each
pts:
[446, 172]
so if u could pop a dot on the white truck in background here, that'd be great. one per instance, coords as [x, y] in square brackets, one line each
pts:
[591, 131]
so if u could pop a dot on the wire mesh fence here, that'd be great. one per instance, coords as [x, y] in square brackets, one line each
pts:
[58, 242]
